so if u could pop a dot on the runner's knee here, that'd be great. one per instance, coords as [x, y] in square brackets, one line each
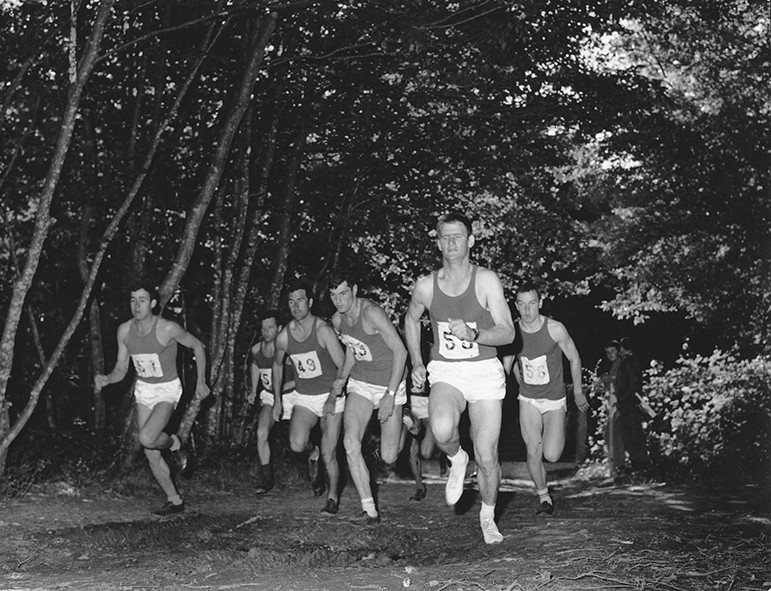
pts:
[352, 444]
[147, 439]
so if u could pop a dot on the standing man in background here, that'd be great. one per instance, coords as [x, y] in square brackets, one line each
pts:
[150, 342]
[629, 393]
[469, 318]
[317, 355]
[607, 370]
[542, 400]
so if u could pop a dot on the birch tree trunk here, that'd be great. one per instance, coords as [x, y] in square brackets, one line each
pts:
[287, 213]
[196, 214]
[6, 349]
[79, 75]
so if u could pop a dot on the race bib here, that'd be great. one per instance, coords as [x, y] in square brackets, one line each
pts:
[306, 365]
[148, 365]
[266, 377]
[535, 371]
[360, 350]
[451, 347]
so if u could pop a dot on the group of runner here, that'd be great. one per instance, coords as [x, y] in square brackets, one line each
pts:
[338, 375]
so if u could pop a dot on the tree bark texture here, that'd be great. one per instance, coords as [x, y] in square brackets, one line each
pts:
[287, 214]
[214, 174]
[43, 223]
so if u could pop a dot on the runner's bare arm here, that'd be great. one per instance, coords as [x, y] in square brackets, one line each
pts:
[121, 364]
[378, 319]
[502, 333]
[277, 372]
[254, 373]
[422, 293]
[183, 337]
[560, 334]
[343, 372]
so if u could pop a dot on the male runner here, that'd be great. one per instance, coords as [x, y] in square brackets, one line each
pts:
[469, 317]
[542, 400]
[374, 371]
[150, 341]
[316, 355]
[261, 372]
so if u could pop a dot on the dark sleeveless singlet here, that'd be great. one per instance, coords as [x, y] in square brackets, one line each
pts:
[465, 306]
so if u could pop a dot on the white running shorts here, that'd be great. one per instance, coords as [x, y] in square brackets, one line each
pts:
[149, 395]
[476, 380]
[544, 405]
[315, 403]
[287, 402]
[375, 393]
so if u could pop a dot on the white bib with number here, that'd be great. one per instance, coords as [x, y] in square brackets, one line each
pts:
[535, 371]
[148, 365]
[266, 377]
[360, 350]
[307, 365]
[451, 347]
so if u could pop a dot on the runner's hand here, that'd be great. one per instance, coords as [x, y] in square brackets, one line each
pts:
[100, 381]
[418, 376]
[581, 402]
[201, 391]
[461, 330]
[386, 409]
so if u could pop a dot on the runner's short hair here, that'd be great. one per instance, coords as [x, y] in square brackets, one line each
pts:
[272, 313]
[454, 216]
[147, 286]
[529, 285]
[339, 277]
[300, 283]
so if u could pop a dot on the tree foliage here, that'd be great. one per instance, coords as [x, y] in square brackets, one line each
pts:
[600, 146]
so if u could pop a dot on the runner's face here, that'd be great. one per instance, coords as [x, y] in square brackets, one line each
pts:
[343, 297]
[454, 241]
[141, 304]
[269, 330]
[528, 305]
[299, 304]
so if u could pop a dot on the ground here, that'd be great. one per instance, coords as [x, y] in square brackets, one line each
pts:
[644, 535]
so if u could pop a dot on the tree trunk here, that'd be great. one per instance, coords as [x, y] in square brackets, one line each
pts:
[97, 405]
[6, 359]
[214, 174]
[287, 211]
[79, 75]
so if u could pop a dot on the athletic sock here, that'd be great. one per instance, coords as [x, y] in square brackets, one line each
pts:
[369, 506]
[457, 456]
[175, 442]
[543, 495]
[175, 500]
[487, 511]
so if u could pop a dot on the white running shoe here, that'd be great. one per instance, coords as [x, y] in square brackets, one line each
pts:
[454, 488]
[490, 531]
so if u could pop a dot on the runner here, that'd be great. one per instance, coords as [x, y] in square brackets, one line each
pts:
[542, 400]
[316, 355]
[469, 318]
[374, 373]
[150, 341]
[261, 373]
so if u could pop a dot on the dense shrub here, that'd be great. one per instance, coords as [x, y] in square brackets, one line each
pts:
[714, 416]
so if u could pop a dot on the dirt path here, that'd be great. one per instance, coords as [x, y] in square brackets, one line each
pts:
[601, 536]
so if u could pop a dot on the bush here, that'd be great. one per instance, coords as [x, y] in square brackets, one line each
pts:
[714, 417]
